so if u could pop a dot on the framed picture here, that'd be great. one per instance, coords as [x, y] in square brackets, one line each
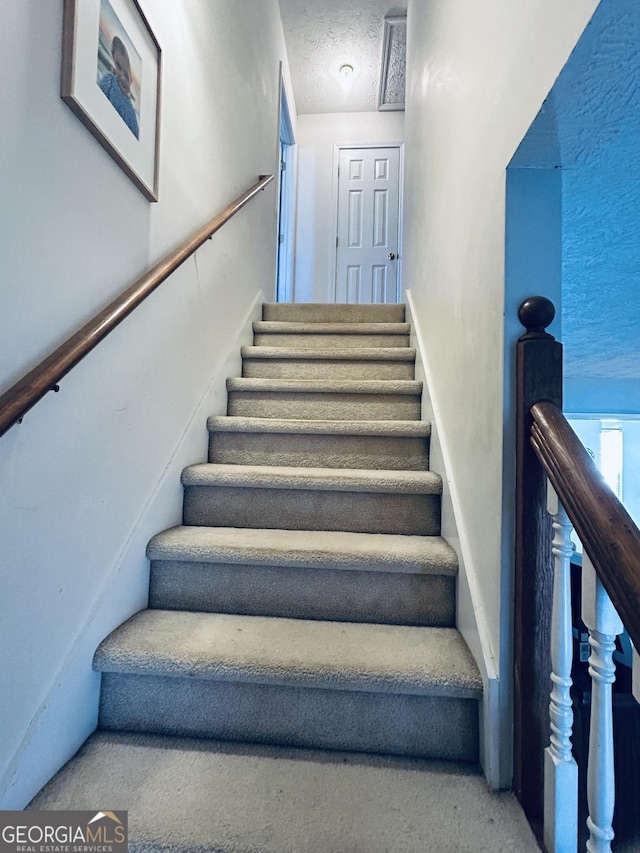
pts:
[111, 76]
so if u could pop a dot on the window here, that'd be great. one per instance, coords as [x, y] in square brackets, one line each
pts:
[611, 455]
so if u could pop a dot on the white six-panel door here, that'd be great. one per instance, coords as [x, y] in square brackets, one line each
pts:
[368, 220]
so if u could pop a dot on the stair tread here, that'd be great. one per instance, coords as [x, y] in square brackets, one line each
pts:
[400, 429]
[295, 652]
[332, 386]
[322, 479]
[308, 549]
[296, 328]
[334, 354]
[193, 796]
[341, 312]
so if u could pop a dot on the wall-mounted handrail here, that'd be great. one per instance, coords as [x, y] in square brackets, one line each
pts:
[22, 396]
[606, 530]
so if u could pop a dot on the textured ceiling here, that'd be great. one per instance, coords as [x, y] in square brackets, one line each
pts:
[322, 36]
[589, 126]
[595, 99]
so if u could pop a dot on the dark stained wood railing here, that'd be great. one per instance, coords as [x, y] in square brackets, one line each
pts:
[607, 532]
[547, 447]
[539, 377]
[22, 396]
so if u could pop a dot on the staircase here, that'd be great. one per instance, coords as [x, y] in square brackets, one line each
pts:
[307, 603]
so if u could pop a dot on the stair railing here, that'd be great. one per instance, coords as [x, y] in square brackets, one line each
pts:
[33, 386]
[552, 460]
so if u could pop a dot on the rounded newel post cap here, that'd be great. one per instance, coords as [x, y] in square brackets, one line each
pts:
[535, 314]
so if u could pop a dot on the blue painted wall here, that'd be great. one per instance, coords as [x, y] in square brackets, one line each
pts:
[533, 241]
[599, 122]
[589, 128]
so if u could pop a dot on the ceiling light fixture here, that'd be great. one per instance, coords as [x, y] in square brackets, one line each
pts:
[346, 76]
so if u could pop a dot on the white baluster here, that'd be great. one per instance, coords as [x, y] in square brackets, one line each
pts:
[636, 674]
[600, 617]
[560, 769]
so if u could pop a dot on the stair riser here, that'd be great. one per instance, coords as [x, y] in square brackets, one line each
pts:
[273, 368]
[323, 406]
[300, 509]
[419, 726]
[308, 340]
[390, 453]
[344, 596]
[287, 312]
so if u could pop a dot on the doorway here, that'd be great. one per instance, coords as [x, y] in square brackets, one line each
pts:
[286, 201]
[368, 230]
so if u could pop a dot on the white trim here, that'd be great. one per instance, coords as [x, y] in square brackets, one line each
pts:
[332, 248]
[284, 273]
[600, 416]
[285, 127]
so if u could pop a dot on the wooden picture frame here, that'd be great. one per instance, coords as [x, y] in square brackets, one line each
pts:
[111, 79]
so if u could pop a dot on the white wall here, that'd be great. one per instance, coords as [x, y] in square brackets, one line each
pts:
[94, 470]
[477, 75]
[317, 135]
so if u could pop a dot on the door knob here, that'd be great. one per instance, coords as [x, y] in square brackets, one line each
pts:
[392, 256]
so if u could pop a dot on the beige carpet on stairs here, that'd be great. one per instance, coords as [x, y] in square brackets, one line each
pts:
[298, 677]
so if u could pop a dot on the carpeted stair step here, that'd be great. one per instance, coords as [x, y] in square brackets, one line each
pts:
[290, 682]
[349, 577]
[190, 796]
[353, 500]
[330, 335]
[350, 363]
[324, 399]
[391, 445]
[317, 312]
[308, 603]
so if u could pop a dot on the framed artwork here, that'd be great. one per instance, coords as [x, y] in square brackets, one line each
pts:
[111, 78]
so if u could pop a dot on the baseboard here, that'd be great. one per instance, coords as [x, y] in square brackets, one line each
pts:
[495, 728]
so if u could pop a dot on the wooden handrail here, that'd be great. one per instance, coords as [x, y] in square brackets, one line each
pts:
[539, 377]
[15, 402]
[606, 530]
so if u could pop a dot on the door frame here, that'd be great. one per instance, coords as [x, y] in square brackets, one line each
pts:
[333, 248]
[286, 197]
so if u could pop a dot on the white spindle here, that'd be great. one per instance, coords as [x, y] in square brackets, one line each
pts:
[600, 617]
[560, 769]
[636, 674]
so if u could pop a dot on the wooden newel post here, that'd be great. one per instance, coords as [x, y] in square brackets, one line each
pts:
[539, 377]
